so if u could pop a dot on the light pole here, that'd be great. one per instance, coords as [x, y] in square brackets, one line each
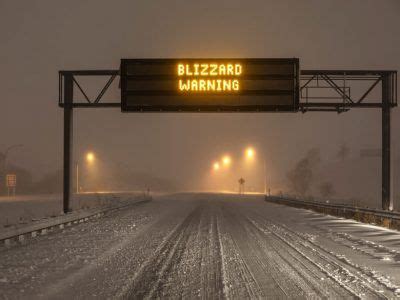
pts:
[221, 167]
[265, 176]
[77, 178]
[89, 159]
[250, 153]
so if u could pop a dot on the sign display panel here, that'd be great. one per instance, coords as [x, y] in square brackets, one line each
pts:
[11, 180]
[209, 85]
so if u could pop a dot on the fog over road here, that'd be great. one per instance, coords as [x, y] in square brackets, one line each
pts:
[208, 246]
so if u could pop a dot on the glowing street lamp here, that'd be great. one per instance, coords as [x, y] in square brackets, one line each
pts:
[226, 160]
[216, 166]
[250, 153]
[90, 157]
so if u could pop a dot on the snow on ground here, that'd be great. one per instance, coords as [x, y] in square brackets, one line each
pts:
[21, 210]
[208, 246]
[372, 251]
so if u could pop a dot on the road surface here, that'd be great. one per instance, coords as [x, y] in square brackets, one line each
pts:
[206, 246]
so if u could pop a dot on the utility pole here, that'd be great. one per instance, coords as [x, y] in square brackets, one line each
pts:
[265, 176]
[77, 178]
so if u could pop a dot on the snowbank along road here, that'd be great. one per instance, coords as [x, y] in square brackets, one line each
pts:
[207, 246]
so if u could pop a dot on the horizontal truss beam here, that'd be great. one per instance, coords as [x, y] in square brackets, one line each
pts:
[344, 101]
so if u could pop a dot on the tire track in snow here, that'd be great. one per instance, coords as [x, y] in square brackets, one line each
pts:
[211, 264]
[270, 260]
[341, 271]
[260, 280]
[302, 278]
[148, 279]
[239, 282]
[222, 256]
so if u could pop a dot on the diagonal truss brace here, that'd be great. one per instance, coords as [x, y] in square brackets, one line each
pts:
[96, 102]
[341, 83]
[102, 92]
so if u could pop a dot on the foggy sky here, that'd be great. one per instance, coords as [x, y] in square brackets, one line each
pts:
[38, 38]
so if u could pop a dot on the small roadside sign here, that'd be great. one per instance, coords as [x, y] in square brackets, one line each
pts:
[11, 183]
[241, 185]
[11, 180]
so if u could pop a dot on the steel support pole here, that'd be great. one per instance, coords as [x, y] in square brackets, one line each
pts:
[77, 178]
[68, 135]
[265, 176]
[386, 194]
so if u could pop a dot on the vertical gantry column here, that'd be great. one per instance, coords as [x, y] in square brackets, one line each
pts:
[68, 139]
[386, 173]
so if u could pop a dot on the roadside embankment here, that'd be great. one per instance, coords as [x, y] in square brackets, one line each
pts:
[20, 211]
[21, 231]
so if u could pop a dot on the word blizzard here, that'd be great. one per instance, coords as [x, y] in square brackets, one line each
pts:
[208, 77]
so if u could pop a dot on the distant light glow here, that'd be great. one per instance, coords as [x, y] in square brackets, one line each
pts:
[250, 153]
[90, 157]
[216, 166]
[226, 160]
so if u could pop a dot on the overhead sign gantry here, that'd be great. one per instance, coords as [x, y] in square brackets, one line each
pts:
[232, 85]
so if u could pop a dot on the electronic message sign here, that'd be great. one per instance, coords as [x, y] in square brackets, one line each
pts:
[209, 85]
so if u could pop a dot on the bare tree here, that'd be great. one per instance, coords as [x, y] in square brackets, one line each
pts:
[326, 189]
[301, 176]
[343, 152]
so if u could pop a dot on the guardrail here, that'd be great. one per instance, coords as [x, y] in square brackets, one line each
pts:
[42, 227]
[366, 215]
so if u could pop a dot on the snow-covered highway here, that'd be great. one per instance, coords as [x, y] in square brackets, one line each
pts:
[207, 246]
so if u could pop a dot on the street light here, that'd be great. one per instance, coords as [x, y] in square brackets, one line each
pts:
[216, 166]
[90, 159]
[226, 160]
[250, 154]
